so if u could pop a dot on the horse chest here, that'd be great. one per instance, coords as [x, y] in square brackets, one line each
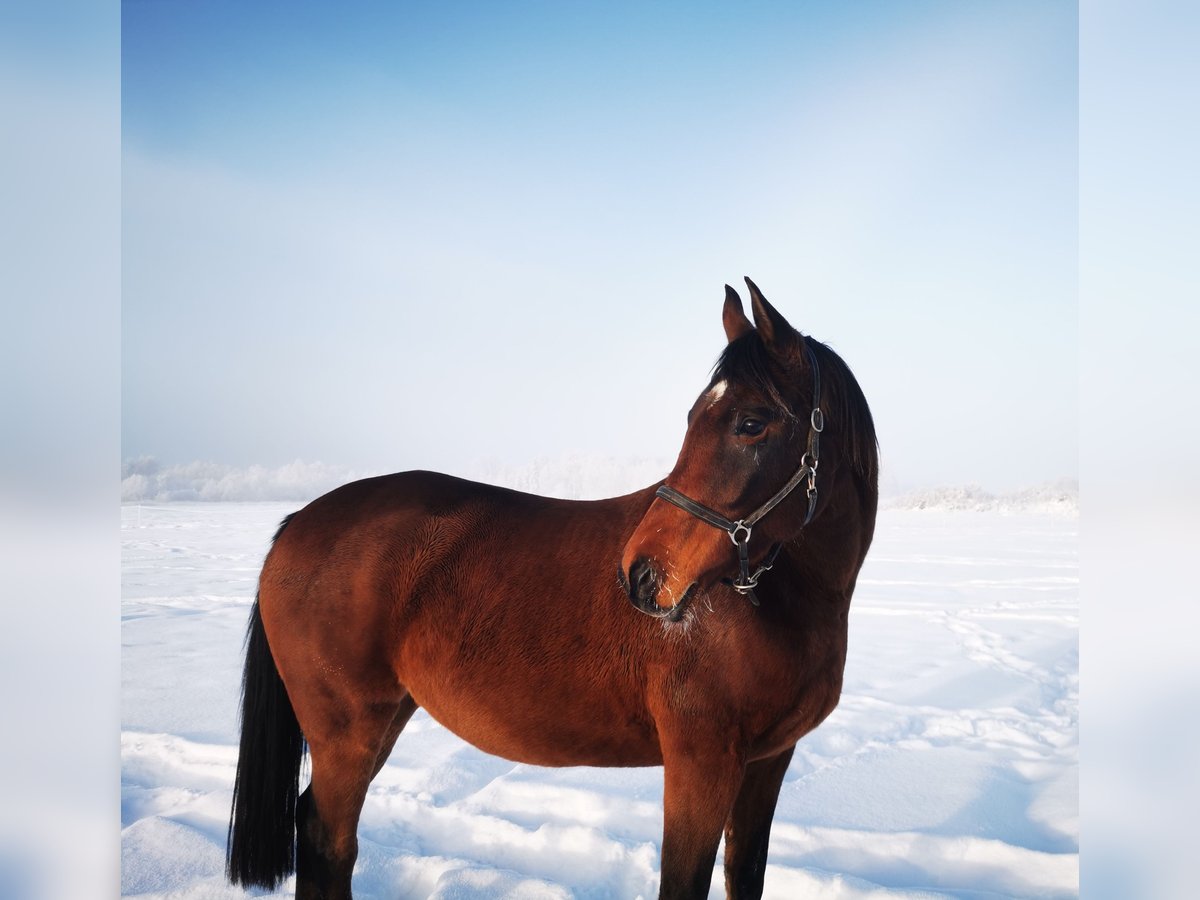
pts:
[793, 683]
[810, 704]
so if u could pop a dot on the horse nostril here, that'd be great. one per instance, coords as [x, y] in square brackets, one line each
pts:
[643, 582]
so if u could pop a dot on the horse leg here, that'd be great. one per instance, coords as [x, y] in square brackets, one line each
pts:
[699, 790]
[749, 828]
[343, 763]
[407, 707]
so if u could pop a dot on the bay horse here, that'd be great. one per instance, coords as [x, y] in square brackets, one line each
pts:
[698, 624]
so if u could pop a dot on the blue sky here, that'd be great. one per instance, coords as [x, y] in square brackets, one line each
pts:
[398, 236]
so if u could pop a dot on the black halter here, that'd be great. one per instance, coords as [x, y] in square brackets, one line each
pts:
[739, 530]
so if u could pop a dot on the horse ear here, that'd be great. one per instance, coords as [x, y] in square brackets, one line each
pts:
[736, 323]
[781, 338]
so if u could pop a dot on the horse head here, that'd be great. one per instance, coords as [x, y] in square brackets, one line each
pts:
[746, 480]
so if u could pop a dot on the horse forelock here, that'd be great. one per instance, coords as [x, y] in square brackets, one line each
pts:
[747, 361]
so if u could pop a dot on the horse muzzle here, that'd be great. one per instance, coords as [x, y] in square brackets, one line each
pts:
[643, 584]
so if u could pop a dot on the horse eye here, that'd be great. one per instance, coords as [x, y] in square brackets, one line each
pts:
[751, 427]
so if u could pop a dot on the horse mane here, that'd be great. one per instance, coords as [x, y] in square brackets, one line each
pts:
[747, 360]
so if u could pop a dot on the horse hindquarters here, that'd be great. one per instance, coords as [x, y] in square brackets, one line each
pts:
[262, 822]
[275, 831]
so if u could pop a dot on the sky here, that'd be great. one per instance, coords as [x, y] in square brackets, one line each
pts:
[394, 236]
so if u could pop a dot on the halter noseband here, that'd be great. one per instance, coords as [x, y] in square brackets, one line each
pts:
[739, 531]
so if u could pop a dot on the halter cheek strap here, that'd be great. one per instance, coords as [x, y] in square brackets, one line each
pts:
[739, 530]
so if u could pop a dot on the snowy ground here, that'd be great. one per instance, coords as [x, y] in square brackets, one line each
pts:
[949, 769]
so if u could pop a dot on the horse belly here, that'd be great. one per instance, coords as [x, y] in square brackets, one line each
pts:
[537, 724]
[546, 693]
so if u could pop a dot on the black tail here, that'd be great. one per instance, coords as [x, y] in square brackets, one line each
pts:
[262, 826]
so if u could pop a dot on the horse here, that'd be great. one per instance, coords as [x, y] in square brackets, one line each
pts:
[699, 624]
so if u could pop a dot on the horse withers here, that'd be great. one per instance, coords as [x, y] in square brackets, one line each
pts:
[698, 624]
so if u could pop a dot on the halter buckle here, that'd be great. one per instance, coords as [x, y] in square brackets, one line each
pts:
[817, 420]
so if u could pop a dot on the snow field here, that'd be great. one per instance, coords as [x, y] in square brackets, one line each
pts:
[948, 770]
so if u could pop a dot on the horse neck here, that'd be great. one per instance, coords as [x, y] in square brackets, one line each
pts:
[829, 551]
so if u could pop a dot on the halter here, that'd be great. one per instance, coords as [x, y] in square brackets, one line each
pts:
[739, 531]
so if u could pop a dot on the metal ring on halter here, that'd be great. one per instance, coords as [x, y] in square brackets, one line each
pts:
[817, 420]
[733, 533]
[746, 581]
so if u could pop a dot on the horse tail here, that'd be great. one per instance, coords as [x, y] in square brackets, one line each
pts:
[261, 849]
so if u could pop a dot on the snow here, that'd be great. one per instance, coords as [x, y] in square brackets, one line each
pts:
[948, 770]
[1055, 498]
[144, 479]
